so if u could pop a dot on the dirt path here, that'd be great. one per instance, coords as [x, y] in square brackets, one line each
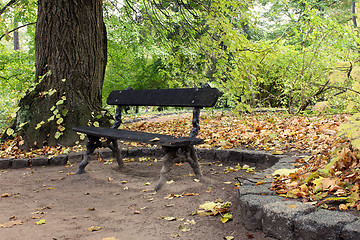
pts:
[118, 201]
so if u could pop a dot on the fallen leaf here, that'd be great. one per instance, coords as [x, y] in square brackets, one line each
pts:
[284, 172]
[190, 194]
[190, 222]
[41, 222]
[11, 224]
[184, 229]
[278, 152]
[94, 228]
[226, 217]
[250, 235]
[343, 207]
[154, 139]
[168, 218]
[229, 238]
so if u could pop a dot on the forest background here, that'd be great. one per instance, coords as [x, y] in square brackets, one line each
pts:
[298, 55]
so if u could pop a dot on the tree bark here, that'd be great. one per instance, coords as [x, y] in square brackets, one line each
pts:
[71, 50]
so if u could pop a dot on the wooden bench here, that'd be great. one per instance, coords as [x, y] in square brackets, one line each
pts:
[176, 149]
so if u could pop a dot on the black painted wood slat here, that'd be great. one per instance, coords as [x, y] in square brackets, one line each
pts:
[134, 136]
[185, 97]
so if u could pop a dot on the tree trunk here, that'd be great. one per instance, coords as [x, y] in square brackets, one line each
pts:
[71, 50]
[16, 38]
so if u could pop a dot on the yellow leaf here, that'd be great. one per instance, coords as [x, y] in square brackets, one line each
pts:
[356, 143]
[284, 172]
[94, 228]
[226, 217]
[9, 131]
[154, 139]
[41, 222]
[278, 152]
[168, 218]
[343, 207]
[337, 77]
[229, 238]
[343, 64]
[6, 195]
[320, 106]
[355, 73]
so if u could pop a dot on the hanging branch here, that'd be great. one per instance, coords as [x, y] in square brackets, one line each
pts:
[16, 29]
[9, 4]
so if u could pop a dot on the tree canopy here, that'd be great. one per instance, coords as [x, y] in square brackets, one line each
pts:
[297, 55]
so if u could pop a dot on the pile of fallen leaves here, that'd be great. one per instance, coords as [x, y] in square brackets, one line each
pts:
[274, 132]
[331, 181]
[12, 149]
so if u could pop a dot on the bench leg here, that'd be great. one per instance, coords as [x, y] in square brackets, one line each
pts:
[192, 159]
[118, 154]
[113, 145]
[90, 148]
[168, 161]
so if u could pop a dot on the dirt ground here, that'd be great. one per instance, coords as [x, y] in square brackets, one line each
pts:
[108, 202]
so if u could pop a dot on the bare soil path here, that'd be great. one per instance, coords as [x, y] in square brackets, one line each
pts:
[121, 202]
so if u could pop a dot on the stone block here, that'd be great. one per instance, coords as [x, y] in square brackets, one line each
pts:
[6, 163]
[235, 156]
[351, 231]
[74, 157]
[251, 209]
[262, 189]
[39, 161]
[206, 154]
[21, 163]
[221, 155]
[322, 224]
[152, 152]
[58, 160]
[279, 218]
[135, 152]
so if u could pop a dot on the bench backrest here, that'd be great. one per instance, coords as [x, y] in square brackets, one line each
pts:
[184, 97]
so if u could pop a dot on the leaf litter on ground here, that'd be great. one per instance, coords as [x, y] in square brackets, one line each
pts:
[330, 175]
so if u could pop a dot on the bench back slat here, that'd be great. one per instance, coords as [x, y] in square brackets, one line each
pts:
[184, 97]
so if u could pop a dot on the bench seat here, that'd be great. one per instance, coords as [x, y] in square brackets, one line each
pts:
[143, 137]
